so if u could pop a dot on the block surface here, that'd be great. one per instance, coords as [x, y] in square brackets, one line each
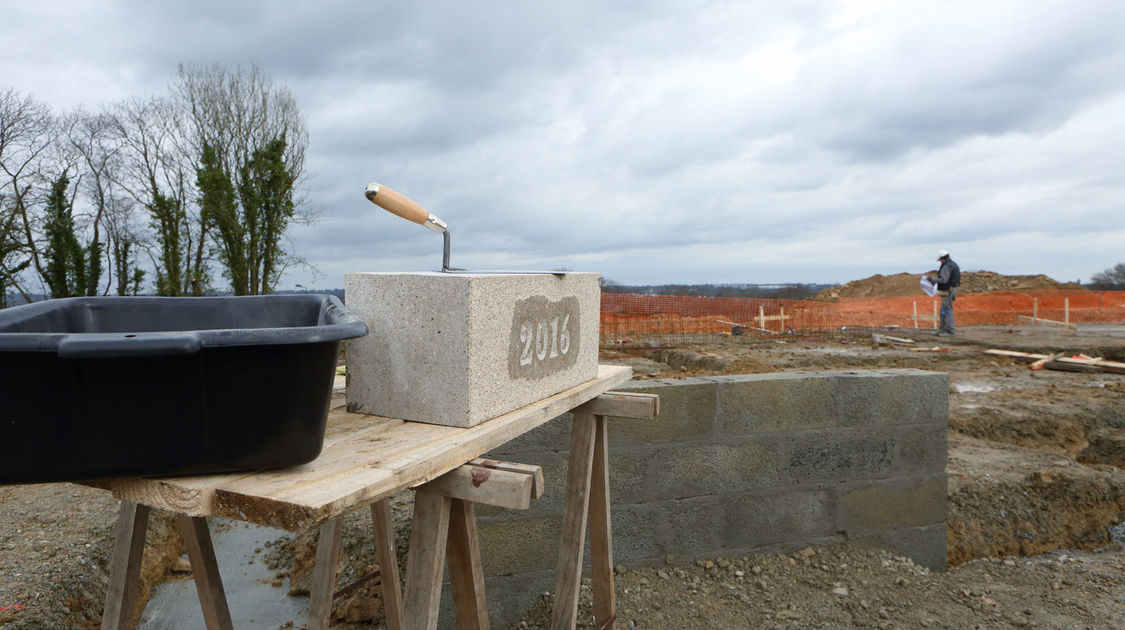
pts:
[458, 349]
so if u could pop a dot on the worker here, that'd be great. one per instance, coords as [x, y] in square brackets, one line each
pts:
[947, 281]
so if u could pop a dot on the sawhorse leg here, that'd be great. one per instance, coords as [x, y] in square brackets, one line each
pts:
[125, 569]
[587, 495]
[323, 588]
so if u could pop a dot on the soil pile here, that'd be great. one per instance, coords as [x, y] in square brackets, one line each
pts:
[906, 284]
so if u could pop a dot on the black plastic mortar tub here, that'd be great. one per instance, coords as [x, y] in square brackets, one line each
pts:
[110, 387]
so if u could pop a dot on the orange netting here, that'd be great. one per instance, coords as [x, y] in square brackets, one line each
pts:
[644, 319]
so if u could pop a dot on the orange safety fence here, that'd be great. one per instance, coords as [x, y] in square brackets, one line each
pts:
[628, 319]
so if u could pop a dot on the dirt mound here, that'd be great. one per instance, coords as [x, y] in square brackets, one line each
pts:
[906, 284]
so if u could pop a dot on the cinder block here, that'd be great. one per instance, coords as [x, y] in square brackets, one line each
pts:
[751, 520]
[517, 546]
[687, 412]
[757, 403]
[509, 598]
[636, 530]
[695, 469]
[924, 545]
[458, 349]
[924, 450]
[839, 454]
[893, 504]
[891, 397]
[692, 526]
[550, 436]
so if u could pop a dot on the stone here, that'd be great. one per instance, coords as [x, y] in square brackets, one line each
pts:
[457, 349]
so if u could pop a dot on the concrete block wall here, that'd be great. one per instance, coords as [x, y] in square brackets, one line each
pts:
[739, 464]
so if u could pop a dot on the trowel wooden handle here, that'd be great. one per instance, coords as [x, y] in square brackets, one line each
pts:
[396, 203]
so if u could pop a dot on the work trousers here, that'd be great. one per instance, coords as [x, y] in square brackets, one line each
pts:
[946, 312]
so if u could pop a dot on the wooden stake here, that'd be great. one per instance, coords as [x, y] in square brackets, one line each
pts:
[324, 575]
[466, 577]
[915, 313]
[205, 572]
[125, 567]
[388, 562]
[576, 509]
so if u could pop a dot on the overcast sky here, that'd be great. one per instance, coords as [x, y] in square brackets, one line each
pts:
[657, 142]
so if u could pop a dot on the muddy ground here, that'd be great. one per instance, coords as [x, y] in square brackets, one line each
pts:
[1036, 503]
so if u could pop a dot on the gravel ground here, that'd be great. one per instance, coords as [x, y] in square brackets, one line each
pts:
[839, 587]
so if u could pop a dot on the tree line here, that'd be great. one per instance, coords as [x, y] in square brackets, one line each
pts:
[178, 194]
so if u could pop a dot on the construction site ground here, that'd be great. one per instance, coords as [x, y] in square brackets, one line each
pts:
[1036, 510]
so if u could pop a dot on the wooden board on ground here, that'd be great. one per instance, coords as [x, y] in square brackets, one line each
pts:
[1067, 364]
[365, 458]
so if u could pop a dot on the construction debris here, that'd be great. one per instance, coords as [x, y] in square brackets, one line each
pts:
[1059, 361]
[884, 340]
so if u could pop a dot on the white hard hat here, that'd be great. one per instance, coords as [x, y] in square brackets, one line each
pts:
[941, 253]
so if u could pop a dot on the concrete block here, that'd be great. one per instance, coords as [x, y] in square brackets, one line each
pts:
[839, 454]
[757, 403]
[695, 469]
[517, 546]
[893, 504]
[636, 534]
[459, 349]
[923, 450]
[550, 436]
[924, 545]
[687, 412]
[751, 520]
[692, 526]
[891, 397]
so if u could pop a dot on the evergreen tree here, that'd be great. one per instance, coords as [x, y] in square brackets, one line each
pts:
[66, 268]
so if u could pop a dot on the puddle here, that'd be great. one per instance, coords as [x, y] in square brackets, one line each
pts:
[253, 601]
[974, 388]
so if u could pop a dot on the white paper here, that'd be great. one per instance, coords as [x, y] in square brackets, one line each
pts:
[928, 286]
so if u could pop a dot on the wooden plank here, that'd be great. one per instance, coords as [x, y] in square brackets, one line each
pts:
[324, 576]
[125, 567]
[383, 526]
[426, 560]
[466, 576]
[389, 456]
[601, 533]
[1051, 322]
[205, 572]
[478, 484]
[1039, 363]
[577, 504]
[622, 405]
[1066, 364]
[534, 471]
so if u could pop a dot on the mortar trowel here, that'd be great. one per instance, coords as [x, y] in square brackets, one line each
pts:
[397, 203]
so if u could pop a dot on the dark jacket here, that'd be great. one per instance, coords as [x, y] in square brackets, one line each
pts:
[948, 276]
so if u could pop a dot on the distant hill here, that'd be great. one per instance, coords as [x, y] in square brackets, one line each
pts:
[793, 291]
[906, 284]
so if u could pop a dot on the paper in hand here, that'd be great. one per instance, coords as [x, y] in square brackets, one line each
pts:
[928, 286]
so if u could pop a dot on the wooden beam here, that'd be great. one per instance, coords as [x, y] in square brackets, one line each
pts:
[388, 562]
[576, 509]
[466, 577]
[125, 567]
[205, 572]
[601, 532]
[534, 471]
[426, 560]
[1064, 363]
[324, 576]
[1050, 322]
[490, 486]
[622, 405]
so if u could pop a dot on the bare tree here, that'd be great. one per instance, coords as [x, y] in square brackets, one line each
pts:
[158, 176]
[248, 140]
[26, 135]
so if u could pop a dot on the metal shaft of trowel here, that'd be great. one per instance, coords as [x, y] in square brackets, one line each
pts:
[397, 203]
